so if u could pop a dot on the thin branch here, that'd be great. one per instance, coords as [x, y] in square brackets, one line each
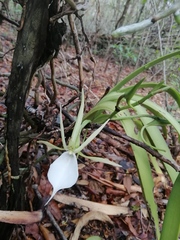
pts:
[78, 49]
[129, 29]
[3, 17]
[52, 219]
[86, 39]
[62, 83]
[154, 153]
[70, 8]
[7, 52]
[55, 224]
[53, 81]
[22, 16]
[65, 12]
[71, 4]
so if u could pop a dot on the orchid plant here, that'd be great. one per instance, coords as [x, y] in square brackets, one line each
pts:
[63, 172]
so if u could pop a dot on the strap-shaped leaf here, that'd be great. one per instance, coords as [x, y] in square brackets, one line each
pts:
[171, 224]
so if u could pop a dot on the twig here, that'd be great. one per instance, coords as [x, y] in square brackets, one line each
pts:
[154, 153]
[9, 20]
[60, 15]
[52, 219]
[88, 48]
[55, 224]
[78, 49]
[70, 8]
[65, 113]
[22, 16]
[70, 101]
[71, 4]
[53, 81]
[29, 119]
[129, 29]
[36, 88]
[164, 62]
[7, 53]
[65, 84]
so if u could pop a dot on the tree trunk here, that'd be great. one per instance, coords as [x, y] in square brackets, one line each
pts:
[30, 46]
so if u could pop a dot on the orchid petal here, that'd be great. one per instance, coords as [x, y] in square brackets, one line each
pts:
[63, 172]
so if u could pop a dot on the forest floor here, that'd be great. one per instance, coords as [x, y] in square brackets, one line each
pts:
[116, 190]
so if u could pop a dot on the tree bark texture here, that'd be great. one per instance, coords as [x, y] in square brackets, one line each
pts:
[30, 47]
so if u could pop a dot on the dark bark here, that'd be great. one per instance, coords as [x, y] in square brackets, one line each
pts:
[29, 49]
[30, 46]
[123, 15]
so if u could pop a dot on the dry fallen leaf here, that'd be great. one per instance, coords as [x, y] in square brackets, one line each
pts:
[92, 206]
[127, 181]
[131, 228]
[134, 188]
[32, 232]
[86, 218]
[53, 208]
[46, 233]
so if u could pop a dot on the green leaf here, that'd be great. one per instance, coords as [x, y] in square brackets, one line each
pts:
[171, 224]
[177, 16]
[172, 91]
[94, 238]
[144, 170]
[141, 69]
[156, 138]
[162, 113]
[159, 122]
[143, 1]
[130, 94]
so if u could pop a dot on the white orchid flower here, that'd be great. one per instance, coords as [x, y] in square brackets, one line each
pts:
[63, 172]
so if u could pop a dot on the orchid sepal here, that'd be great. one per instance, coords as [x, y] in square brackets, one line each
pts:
[77, 127]
[90, 138]
[49, 145]
[100, 159]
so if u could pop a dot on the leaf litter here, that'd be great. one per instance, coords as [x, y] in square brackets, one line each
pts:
[106, 201]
